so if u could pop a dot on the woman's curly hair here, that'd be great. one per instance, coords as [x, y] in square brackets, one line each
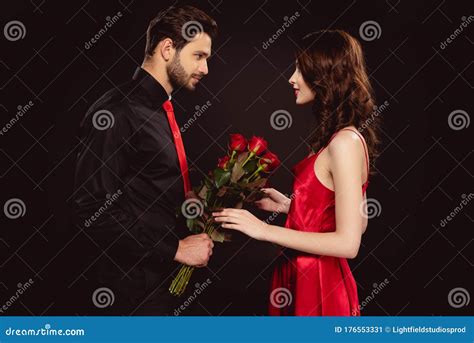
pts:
[332, 64]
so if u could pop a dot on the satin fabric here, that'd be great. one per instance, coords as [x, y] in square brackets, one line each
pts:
[306, 284]
[178, 142]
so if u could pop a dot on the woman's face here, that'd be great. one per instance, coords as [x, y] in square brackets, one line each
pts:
[303, 93]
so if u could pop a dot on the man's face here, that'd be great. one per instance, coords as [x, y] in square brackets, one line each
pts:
[189, 65]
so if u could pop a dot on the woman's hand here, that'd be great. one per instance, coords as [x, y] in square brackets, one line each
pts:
[276, 201]
[243, 221]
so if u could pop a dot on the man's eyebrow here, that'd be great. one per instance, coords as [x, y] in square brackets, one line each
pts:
[203, 52]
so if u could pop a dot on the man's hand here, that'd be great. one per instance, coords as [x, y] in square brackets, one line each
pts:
[195, 250]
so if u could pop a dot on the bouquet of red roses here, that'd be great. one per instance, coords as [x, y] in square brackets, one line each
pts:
[238, 178]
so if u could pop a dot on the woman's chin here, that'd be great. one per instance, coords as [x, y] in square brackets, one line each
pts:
[301, 102]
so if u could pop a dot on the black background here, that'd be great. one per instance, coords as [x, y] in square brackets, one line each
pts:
[421, 175]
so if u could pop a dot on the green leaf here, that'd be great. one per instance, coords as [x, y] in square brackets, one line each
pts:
[242, 157]
[198, 225]
[203, 192]
[208, 182]
[190, 223]
[257, 183]
[218, 236]
[222, 191]
[250, 166]
[237, 172]
[221, 177]
[255, 195]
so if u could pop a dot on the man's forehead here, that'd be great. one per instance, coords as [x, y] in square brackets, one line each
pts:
[201, 42]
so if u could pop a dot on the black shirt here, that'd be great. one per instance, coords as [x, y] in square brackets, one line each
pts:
[131, 169]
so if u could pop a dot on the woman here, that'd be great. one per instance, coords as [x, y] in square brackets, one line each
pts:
[326, 212]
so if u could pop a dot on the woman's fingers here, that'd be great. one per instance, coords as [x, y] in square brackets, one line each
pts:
[226, 219]
[221, 215]
[230, 226]
[231, 212]
[265, 201]
[229, 218]
[273, 194]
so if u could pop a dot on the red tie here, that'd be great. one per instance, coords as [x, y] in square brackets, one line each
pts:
[178, 142]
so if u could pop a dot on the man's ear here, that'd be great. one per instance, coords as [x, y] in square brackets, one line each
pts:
[166, 49]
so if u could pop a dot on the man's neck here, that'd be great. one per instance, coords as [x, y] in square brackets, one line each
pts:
[159, 76]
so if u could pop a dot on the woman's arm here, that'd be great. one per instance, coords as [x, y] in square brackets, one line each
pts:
[346, 163]
[365, 219]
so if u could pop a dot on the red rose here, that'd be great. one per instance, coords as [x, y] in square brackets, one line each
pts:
[269, 161]
[257, 145]
[237, 142]
[223, 162]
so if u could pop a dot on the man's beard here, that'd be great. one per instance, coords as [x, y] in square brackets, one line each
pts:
[177, 75]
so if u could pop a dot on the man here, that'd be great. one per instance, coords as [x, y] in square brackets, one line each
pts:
[131, 173]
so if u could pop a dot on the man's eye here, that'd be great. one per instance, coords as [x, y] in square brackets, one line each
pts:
[199, 56]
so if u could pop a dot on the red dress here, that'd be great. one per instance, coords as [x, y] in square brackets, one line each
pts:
[305, 284]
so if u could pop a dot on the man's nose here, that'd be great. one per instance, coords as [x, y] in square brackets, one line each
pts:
[203, 68]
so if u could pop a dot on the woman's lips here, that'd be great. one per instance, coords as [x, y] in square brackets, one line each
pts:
[296, 92]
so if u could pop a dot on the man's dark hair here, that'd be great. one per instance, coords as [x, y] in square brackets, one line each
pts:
[180, 24]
